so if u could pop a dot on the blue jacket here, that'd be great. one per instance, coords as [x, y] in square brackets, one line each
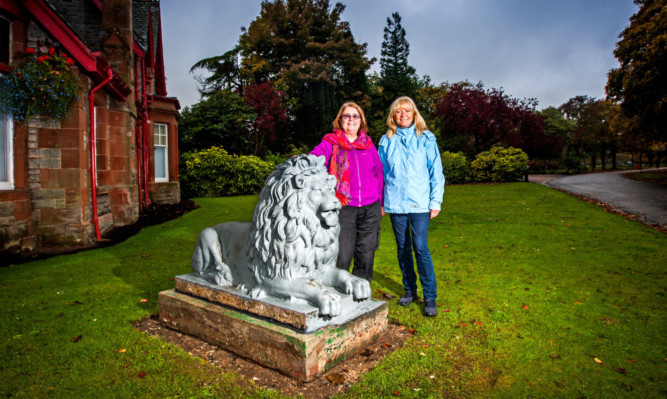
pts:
[413, 179]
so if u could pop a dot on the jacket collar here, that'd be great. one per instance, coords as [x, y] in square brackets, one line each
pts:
[406, 133]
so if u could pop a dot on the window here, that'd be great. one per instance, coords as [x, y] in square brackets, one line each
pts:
[6, 149]
[5, 37]
[161, 161]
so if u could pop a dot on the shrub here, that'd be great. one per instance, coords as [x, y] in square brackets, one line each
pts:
[216, 173]
[499, 165]
[544, 166]
[575, 163]
[278, 158]
[456, 167]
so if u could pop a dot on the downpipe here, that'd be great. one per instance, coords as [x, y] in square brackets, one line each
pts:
[93, 150]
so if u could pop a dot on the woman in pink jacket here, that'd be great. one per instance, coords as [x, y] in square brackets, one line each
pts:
[353, 159]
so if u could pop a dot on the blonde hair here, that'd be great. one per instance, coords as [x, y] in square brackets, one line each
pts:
[339, 117]
[407, 103]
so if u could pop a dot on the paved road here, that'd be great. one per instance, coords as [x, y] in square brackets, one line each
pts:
[647, 201]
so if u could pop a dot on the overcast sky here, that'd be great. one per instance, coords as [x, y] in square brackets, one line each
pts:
[551, 50]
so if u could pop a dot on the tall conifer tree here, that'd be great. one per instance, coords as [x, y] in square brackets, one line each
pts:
[398, 78]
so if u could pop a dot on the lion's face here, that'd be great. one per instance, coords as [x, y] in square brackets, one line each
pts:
[322, 199]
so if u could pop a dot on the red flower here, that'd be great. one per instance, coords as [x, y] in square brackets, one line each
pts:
[40, 59]
[52, 50]
[30, 50]
[70, 61]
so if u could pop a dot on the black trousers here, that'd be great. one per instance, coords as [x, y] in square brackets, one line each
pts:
[359, 238]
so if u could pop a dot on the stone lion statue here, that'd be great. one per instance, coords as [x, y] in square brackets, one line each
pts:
[290, 248]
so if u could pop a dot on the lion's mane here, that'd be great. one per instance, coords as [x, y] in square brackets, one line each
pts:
[287, 239]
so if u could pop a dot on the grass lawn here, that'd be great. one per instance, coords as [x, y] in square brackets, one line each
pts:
[542, 295]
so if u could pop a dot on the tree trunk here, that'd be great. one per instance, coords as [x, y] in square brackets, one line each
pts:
[613, 157]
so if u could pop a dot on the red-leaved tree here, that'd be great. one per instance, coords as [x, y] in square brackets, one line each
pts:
[268, 104]
[474, 120]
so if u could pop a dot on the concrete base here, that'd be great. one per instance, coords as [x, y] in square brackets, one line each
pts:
[296, 313]
[298, 355]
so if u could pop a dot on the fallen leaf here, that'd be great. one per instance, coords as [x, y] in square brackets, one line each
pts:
[336, 378]
[598, 360]
[366, 352]
[632, 360]
[142, 374]
[386, 345]
[146, 256]
[386, 294]
[446, 310]
[620, 370]
[121, 351]
[75, 339]
[554, 356]
[75, 303]
[412, 331]
[126, 365]
[446, 246]
[464, 325]
[143, 300]
[422, 354]
[395, 392]
[524, 307]
[479, 323]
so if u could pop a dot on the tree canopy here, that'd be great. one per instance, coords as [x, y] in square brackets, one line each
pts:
[640, 82]
[474, 119]
[222, 118]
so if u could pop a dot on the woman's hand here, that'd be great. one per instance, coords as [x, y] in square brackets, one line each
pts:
[434, 213]
[382, 209]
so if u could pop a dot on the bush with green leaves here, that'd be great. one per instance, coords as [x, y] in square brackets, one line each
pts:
[278, 158]
[499, 164]
[456, 167]
[216, 173]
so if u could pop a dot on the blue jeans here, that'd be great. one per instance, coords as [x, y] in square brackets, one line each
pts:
[410, 231]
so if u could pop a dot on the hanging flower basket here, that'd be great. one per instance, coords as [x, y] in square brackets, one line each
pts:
[43, 85]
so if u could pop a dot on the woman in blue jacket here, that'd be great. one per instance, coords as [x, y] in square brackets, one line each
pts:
[413, 189]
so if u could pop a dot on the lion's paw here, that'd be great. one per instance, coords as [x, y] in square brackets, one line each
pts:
[223, 276]
[359, 288]
[256, 293]
[329, 304]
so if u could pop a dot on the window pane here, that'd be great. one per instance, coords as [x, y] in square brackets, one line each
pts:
[160, 134]
[4, 139]
[3, 147]
[4, 41]
[160, 170]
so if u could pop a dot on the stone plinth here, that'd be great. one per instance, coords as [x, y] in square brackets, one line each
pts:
[281, 347]
[295, 313]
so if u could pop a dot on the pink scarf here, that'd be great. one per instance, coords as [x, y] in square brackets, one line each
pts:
[339, 165]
